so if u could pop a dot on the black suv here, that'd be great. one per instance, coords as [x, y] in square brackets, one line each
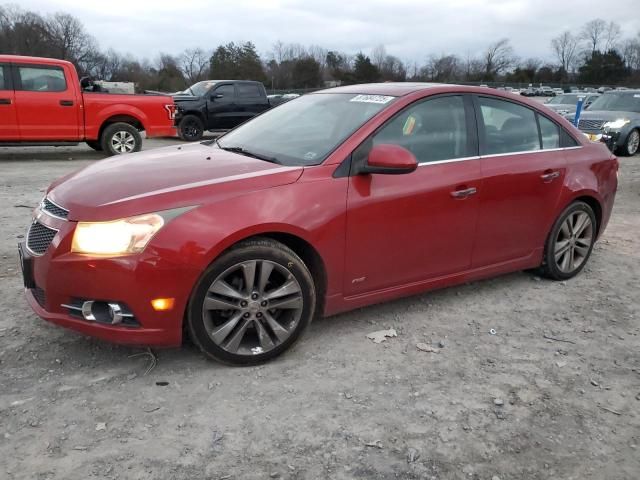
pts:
[217, 105]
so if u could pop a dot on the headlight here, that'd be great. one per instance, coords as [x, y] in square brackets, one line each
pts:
[118, 237]
[621, 122]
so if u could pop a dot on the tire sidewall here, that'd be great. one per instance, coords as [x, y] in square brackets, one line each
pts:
[626, 144]
[550, 263]
[111, 130]
[197, 122]
[287, 259]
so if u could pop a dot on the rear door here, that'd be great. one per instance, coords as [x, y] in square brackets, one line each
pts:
[523, 170]
[47, 106]
[8, 121]
[408, 228]
[221, 107]
[250, 99]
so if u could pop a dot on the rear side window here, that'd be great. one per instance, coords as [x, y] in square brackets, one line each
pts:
[550, 133]
[432, 130]
[508, 127]
[248, 90]
[42, 79]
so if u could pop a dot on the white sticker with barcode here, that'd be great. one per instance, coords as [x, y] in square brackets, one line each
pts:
[381, 99]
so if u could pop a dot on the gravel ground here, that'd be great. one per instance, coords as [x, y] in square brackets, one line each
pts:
[509, 405]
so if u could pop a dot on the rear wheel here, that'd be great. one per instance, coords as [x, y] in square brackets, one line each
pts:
[252, 303]
[570, 242]
[191, 128]
[119, 138]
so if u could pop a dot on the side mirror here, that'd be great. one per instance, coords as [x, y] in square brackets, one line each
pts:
[216, 95]
[390, 160]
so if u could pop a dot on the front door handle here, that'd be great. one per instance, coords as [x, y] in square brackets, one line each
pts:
[464, 193]
[66, 103]
[549, 176]
[5, 101]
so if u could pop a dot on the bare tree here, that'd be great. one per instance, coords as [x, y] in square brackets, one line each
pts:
[194, 64]
[631, 53]
[378, 55]
[593, 33]
[497, 58]
[611, 36]
[565, 46]
[443, 68]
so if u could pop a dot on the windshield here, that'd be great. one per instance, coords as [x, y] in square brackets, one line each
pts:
[625, 102]
[304, 131]
[565, 99]
[200, 88]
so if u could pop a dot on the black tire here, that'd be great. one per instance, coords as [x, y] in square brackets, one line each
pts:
[191, 128]
[202, 323]
[120, 138]
[556, 265]
[631, 146]
[95, 144]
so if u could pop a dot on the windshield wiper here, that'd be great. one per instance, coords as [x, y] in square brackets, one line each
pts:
[243, 151]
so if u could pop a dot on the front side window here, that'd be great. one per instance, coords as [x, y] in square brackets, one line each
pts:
[226, 91]
[550, 133]
[248, 90]
[508, 127]
[432, 130]
[42, 79]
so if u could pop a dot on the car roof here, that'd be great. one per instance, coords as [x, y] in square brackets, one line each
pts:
[36, 60]
[395, 89]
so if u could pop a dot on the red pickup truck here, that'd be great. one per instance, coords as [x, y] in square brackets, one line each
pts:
[42, 103]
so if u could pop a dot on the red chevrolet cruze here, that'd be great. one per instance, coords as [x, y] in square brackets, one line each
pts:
[333, 201]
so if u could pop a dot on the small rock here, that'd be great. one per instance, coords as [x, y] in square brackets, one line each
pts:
[381, 335]
[441, 344]
[561, 364]
[495, 477]
[101, 427]
[348, 396]
[376, 444]
[413, 454]
[498, 402]
[423, 347]
[594, 383]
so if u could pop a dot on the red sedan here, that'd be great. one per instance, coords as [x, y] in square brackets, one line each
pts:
[332, 201]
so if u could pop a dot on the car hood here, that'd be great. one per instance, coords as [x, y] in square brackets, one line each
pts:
[185, 98]
[163, 179]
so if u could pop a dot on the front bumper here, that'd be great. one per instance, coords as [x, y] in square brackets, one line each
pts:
[61, 278]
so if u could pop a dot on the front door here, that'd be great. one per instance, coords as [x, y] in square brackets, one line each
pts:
[523, 170]
[221, 106]
[408, 228]
[47, 106]
[8, 121]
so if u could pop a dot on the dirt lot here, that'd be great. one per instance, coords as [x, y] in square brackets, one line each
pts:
[513, 405]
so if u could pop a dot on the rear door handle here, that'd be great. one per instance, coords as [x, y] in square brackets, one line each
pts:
[5, 101]
[66, 103]
[464, 193]
[548, 177]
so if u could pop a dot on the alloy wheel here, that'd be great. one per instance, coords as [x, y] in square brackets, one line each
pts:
[123, 142]
[633, 142]
[191, 130]
[573, 242]
[252, 307]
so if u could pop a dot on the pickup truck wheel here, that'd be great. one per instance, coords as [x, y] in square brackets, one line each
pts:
[119, 138]
[95, 145]
[191, 128]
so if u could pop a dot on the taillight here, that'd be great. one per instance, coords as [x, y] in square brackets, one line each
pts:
[171, 111]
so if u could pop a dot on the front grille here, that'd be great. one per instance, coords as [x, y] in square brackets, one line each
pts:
[40, 296]
[39, 238]
[590, 124]
[55, 210]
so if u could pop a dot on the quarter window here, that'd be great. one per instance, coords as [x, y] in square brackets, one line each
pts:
[248, 90]
[550, 133]
[432, 130]
[42, 79]
[508, 127]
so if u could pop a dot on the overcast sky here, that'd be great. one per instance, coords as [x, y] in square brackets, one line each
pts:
[410, 29]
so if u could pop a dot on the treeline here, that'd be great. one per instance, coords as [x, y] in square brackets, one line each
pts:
[596, 55]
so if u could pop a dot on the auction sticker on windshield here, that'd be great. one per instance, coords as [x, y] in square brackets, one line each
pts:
[382, 99]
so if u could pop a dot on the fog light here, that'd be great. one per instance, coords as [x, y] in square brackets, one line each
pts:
[162, 304]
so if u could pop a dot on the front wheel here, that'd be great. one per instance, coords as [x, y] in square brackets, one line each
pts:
[570, 242]
[252, 303]
[632, 144]
[119, 138]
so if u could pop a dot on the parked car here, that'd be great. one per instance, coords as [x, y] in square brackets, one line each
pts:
[546, 92]
[42, 103]
[558, 91]
[614, 118]
[567, 103]
[218, 105]
[242, 240]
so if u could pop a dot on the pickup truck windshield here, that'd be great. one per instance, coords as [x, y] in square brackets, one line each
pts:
[624, 102]
[306, 130]
[200, 88]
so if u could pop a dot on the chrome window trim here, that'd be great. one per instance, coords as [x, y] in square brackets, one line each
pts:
[479, 157]
[46, 212]
[26, 244]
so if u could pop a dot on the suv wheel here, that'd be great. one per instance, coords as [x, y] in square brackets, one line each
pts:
[191, 128]
[252, 303]
[119, 138]
[570, 242]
